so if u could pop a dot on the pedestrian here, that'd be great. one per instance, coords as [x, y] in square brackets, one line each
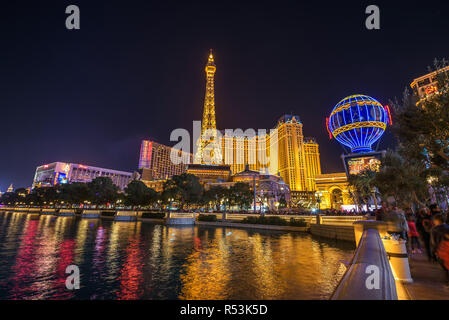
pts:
[434, 209]
[424, 225]
[396, 222]
[381, 213]
[413, 235]
[408, 212]
[440, 243]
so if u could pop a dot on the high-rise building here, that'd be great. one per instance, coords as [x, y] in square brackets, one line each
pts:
[427, 85]
[312, 162]
[156, 163]
[291, 152]
[61, 172]
[241, 149]
[281, 151]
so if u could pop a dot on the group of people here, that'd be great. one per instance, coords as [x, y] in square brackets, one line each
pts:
[428, 225]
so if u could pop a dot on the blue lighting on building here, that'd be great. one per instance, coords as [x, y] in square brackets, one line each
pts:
[358, 122]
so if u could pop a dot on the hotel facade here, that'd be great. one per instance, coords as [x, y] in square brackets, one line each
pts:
[51, 174]
[155, 161]
[427, 85]
[282, 151]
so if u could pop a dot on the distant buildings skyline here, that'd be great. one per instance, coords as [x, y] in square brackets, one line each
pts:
[423, 87]
[283, 151]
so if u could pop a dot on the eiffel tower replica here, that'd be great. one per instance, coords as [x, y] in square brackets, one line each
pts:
[208, 160]
[208, 148]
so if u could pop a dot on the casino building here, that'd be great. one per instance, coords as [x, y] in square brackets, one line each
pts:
[427, 85]
[155, 161]
[283, 151]
[55, 173]
[333, 191]
[283, 157]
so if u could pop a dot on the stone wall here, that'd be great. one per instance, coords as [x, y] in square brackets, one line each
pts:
[345, 233]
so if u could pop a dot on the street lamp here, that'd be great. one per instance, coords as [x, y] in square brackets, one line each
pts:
[170, 204]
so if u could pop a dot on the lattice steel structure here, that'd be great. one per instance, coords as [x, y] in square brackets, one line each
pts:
[208, 148]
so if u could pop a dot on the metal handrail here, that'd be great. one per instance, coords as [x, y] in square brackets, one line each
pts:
[353, 285]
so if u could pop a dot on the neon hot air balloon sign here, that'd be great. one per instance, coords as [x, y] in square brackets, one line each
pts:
[357, 122]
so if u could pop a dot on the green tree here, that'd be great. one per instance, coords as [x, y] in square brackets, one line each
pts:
[282, 202]
[9, 198]
[404, 179]
[362, 185]
[240, 194]
[42, 196]
[215, 195]
[102, 191]
[422, 130]
[74, 193]
[185, 189]
[138, 194]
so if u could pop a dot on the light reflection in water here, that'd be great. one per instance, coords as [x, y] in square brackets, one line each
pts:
[134, 260]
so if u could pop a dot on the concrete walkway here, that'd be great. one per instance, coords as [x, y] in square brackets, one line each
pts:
[429, 279]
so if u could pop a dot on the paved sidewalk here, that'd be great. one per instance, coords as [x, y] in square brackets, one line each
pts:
[429, 279]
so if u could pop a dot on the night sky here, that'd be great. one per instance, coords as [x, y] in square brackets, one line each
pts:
[135, 70]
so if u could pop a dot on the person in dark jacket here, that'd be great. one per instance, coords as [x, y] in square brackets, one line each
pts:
[434, 209]
[424, 225]
[382, 212]
[439, 239]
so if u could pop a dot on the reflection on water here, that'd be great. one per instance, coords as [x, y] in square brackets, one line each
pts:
[134, 260]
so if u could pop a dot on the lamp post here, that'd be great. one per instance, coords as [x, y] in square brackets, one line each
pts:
[254, 187]
[226, 201]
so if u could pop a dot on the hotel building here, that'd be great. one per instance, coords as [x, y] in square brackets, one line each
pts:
[61, 172]
[427, 85]
[333, 191]
[282, 151]
[155, 161]
[312, 162]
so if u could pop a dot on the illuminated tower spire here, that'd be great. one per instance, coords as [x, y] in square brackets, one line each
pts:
[208, 146]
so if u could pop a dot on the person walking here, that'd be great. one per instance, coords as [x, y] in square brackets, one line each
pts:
[382, 211]
[434, 209]
[413, 235]
[439, 240]
[396, 222]
[423, 226]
